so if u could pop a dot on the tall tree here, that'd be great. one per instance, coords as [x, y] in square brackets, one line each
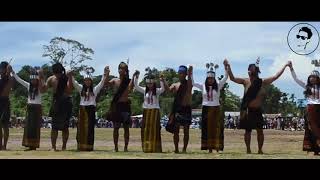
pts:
[68, 52]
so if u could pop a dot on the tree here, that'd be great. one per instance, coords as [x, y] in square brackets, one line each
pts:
[196, 99]
[271, 103]
[68, 52]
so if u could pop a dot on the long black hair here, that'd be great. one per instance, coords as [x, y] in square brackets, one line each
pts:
[154, 90]
[309, 86]
[63, 79]
[33, 89]
[85, 89]
[214, 86]
[4, 78]
[123, 85]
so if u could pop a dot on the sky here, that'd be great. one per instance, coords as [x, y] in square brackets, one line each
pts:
[167, 44]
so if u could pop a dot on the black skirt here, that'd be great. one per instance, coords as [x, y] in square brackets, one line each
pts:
[251, 119]
[61, 112]
[31, 134]
[4, 111]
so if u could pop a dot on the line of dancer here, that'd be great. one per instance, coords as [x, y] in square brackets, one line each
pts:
[63, 83]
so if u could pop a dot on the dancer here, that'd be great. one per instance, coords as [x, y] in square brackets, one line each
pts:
[181, 114]
[251, 106]
[87, 114]
[151, 128]
[61, 108]
[311, 142]
[31, 135]
[120, 110]
[6, 83]
[212, 124]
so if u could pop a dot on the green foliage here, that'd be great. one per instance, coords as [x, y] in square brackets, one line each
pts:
[279, 102]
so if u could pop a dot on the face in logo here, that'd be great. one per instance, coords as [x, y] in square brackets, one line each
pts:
[303, 39]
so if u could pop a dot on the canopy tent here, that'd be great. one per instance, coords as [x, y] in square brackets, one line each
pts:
[232, 114]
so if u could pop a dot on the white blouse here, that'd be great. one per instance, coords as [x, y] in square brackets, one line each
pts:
[37, 98]
[96, 90]
[151, 101]
[215, 95]
[314, 98]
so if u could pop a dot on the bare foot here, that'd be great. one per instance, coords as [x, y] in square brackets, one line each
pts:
[248, 151]
[115, 149]
[53, 149]
[176, 151]
[260, 152]
[309, 153]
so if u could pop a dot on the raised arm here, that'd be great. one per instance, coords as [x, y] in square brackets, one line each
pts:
[76, 84]
[21, 81]
[270, 80]
[197, 85]
[166, 86]
[294, 76]
[42, 82]
[47, 84]
[162, 88]
[111, 82]
[136, 85]
[190, 72]
[232, 78]
[173, 88]
[224, 79]
[69, 82]
[105, 76]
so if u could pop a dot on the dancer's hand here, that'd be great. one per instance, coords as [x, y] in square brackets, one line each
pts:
[190, 69]
[289, 64]
[136, 74]
[41, 74]
[69, 73]
[106, 70]
[9, 69]
[226, 64]
[161, 77]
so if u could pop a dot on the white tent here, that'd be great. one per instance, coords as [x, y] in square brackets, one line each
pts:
[137, 116]
[233, 114]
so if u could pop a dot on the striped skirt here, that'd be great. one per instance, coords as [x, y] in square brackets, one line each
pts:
[151, 131]
[31, 134]
[85, 128]
[312, 129]
[212, 128]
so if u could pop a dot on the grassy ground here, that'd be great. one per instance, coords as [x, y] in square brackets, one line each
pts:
[278, 144]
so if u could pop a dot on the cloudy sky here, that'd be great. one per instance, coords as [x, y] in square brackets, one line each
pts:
[166, 44]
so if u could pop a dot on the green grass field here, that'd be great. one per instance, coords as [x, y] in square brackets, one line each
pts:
[278, 144]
